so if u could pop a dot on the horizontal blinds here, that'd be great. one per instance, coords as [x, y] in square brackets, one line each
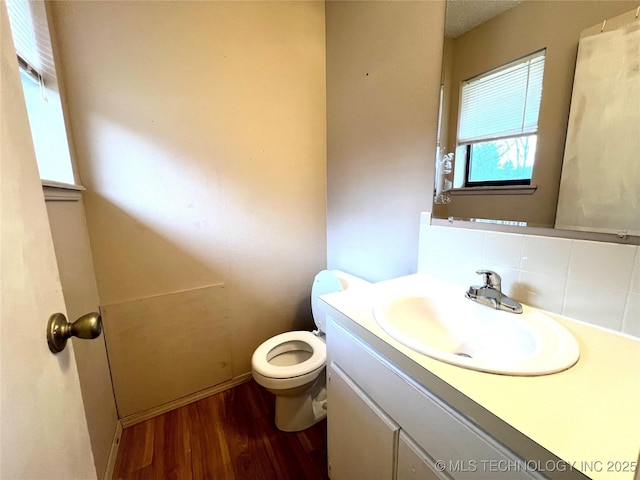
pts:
[502, 103]
[30, 33]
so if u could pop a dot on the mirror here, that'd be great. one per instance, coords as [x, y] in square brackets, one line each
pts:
[481, 35]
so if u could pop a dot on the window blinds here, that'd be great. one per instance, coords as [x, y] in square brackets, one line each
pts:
[502, 103]
[30, 33]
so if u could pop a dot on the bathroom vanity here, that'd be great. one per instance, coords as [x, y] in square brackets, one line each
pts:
[395, 413]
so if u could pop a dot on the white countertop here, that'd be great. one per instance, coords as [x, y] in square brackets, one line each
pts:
[588, 415]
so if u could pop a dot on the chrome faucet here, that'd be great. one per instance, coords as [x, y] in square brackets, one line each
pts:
[490, 293]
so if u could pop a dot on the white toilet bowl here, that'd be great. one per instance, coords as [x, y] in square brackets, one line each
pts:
[291, 365]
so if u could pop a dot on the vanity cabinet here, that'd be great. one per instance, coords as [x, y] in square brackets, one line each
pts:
[384, 425]
[364, 447]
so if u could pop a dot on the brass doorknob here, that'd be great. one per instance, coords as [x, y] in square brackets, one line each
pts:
[59, 330]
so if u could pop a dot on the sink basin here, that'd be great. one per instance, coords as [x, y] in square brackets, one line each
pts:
[464, 333]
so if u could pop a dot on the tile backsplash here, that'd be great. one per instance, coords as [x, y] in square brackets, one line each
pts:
[594, 282]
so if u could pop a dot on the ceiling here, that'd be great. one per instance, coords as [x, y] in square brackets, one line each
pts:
[463, 15]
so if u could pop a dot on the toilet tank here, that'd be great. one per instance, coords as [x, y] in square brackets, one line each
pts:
[330, 281]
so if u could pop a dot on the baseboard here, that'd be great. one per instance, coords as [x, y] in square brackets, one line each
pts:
[181, 402]
[113, 453]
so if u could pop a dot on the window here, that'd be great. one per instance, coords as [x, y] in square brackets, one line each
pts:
[498, 124]
[32, 41]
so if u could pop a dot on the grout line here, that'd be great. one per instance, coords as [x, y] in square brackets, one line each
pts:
[566, 278]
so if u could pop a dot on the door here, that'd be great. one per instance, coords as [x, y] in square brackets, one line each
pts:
[415, 464]
[361, 437]
[43, 431]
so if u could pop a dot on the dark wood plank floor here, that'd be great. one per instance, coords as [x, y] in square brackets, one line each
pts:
[228, 436]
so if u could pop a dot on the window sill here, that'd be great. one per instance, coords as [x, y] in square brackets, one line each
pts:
[504, 190]
[61, 192]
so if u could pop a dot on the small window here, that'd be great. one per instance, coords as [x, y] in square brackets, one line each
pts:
[31, 37]
[498, 125]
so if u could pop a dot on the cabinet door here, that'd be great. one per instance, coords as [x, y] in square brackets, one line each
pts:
[361, 437]
[414, 463]
[441, 431]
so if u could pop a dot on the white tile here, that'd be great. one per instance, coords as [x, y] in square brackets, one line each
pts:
[436, 238]
[459, 242]
[468, 244]
[541, 291]
[631, 320]
[425, 218]
[601, 305]
[635, 274]
[461, 274]
[423, 247]
[503, 249]
[451, 269]
[599, 263]
[431, 263]
[546, 255]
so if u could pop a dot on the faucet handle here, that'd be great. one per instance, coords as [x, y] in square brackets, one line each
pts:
[491, 279]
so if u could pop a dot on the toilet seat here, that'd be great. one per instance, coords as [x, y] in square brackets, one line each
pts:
[269, 349]
[291, 365]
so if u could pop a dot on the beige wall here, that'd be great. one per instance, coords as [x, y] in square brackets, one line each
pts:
[200, 136]
[531, 26]
[73, 255]
[383, 73]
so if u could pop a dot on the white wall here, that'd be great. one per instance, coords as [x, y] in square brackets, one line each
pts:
[595, 282]
[199, 130]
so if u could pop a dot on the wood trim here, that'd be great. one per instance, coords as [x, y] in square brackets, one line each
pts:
[66, 186]
[113, 453]
[496, 190]
[180, 402]
[58, 191]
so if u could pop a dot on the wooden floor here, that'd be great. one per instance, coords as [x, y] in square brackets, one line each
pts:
[228, 436]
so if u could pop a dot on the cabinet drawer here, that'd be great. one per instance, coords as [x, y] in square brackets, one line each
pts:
[465, 450]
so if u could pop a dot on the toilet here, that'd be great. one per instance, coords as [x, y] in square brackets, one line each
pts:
[291, 365]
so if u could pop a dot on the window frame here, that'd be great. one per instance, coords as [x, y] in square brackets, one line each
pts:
[464, 148]
[34, 41]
